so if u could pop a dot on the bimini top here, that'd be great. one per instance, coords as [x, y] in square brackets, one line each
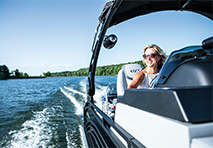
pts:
[126, 9]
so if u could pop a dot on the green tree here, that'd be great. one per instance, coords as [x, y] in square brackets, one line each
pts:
[17, 73]
[2, 76]
[100, 71]
[25, 75]
[4, 72]
[48, 74]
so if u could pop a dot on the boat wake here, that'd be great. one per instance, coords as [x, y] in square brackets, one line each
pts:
[77, 95]
[69, 94]
[56, 122]
[39, 131]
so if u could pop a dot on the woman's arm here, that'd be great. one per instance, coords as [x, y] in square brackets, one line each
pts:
[138, 78]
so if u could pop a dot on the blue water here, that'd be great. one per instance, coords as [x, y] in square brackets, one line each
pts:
[45, 112]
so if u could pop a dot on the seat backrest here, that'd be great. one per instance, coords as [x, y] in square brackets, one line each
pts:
[125, 77]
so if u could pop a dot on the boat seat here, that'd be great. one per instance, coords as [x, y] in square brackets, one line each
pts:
[125, 77]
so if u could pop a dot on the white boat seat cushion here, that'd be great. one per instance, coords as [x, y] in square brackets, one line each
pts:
[125, 77]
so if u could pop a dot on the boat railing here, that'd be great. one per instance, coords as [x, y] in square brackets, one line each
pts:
[107, 123]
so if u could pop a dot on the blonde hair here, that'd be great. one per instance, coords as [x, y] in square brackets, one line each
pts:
[160, 53]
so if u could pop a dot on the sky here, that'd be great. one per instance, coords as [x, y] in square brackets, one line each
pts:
[37, 36]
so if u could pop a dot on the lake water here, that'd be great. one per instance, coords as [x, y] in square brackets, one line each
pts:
[45, 112]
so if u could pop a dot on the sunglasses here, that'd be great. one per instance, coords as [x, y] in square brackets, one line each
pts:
[152, 55]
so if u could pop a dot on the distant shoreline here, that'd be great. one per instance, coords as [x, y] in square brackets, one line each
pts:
[30, 77]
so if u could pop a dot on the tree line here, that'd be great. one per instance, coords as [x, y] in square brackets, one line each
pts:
[100, 71]
[17, 74]
[6, 74]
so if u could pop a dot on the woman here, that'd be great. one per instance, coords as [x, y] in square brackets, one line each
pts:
[154, 58]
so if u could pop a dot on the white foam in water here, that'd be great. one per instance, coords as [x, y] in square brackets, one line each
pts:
[98, 94]
[85, 145]
[83, 85]
[75, 91]
[79, 108]
[36, 132]
[70, 144]
[79, 111]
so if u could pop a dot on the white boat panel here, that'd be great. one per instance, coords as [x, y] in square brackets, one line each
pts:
[206, 142]
[157, 131]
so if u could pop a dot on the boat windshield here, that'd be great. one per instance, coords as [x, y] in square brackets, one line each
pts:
[180, 56]
[190, 53]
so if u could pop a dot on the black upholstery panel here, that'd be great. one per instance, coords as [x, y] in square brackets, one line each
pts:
[185, 104]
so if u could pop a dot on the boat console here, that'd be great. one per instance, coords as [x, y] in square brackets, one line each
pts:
[190, 66]
[191, 105]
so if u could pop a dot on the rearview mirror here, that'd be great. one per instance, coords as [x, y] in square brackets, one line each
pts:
[110, 41]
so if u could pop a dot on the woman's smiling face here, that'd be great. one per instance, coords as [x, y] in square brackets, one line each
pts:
[151, 62]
